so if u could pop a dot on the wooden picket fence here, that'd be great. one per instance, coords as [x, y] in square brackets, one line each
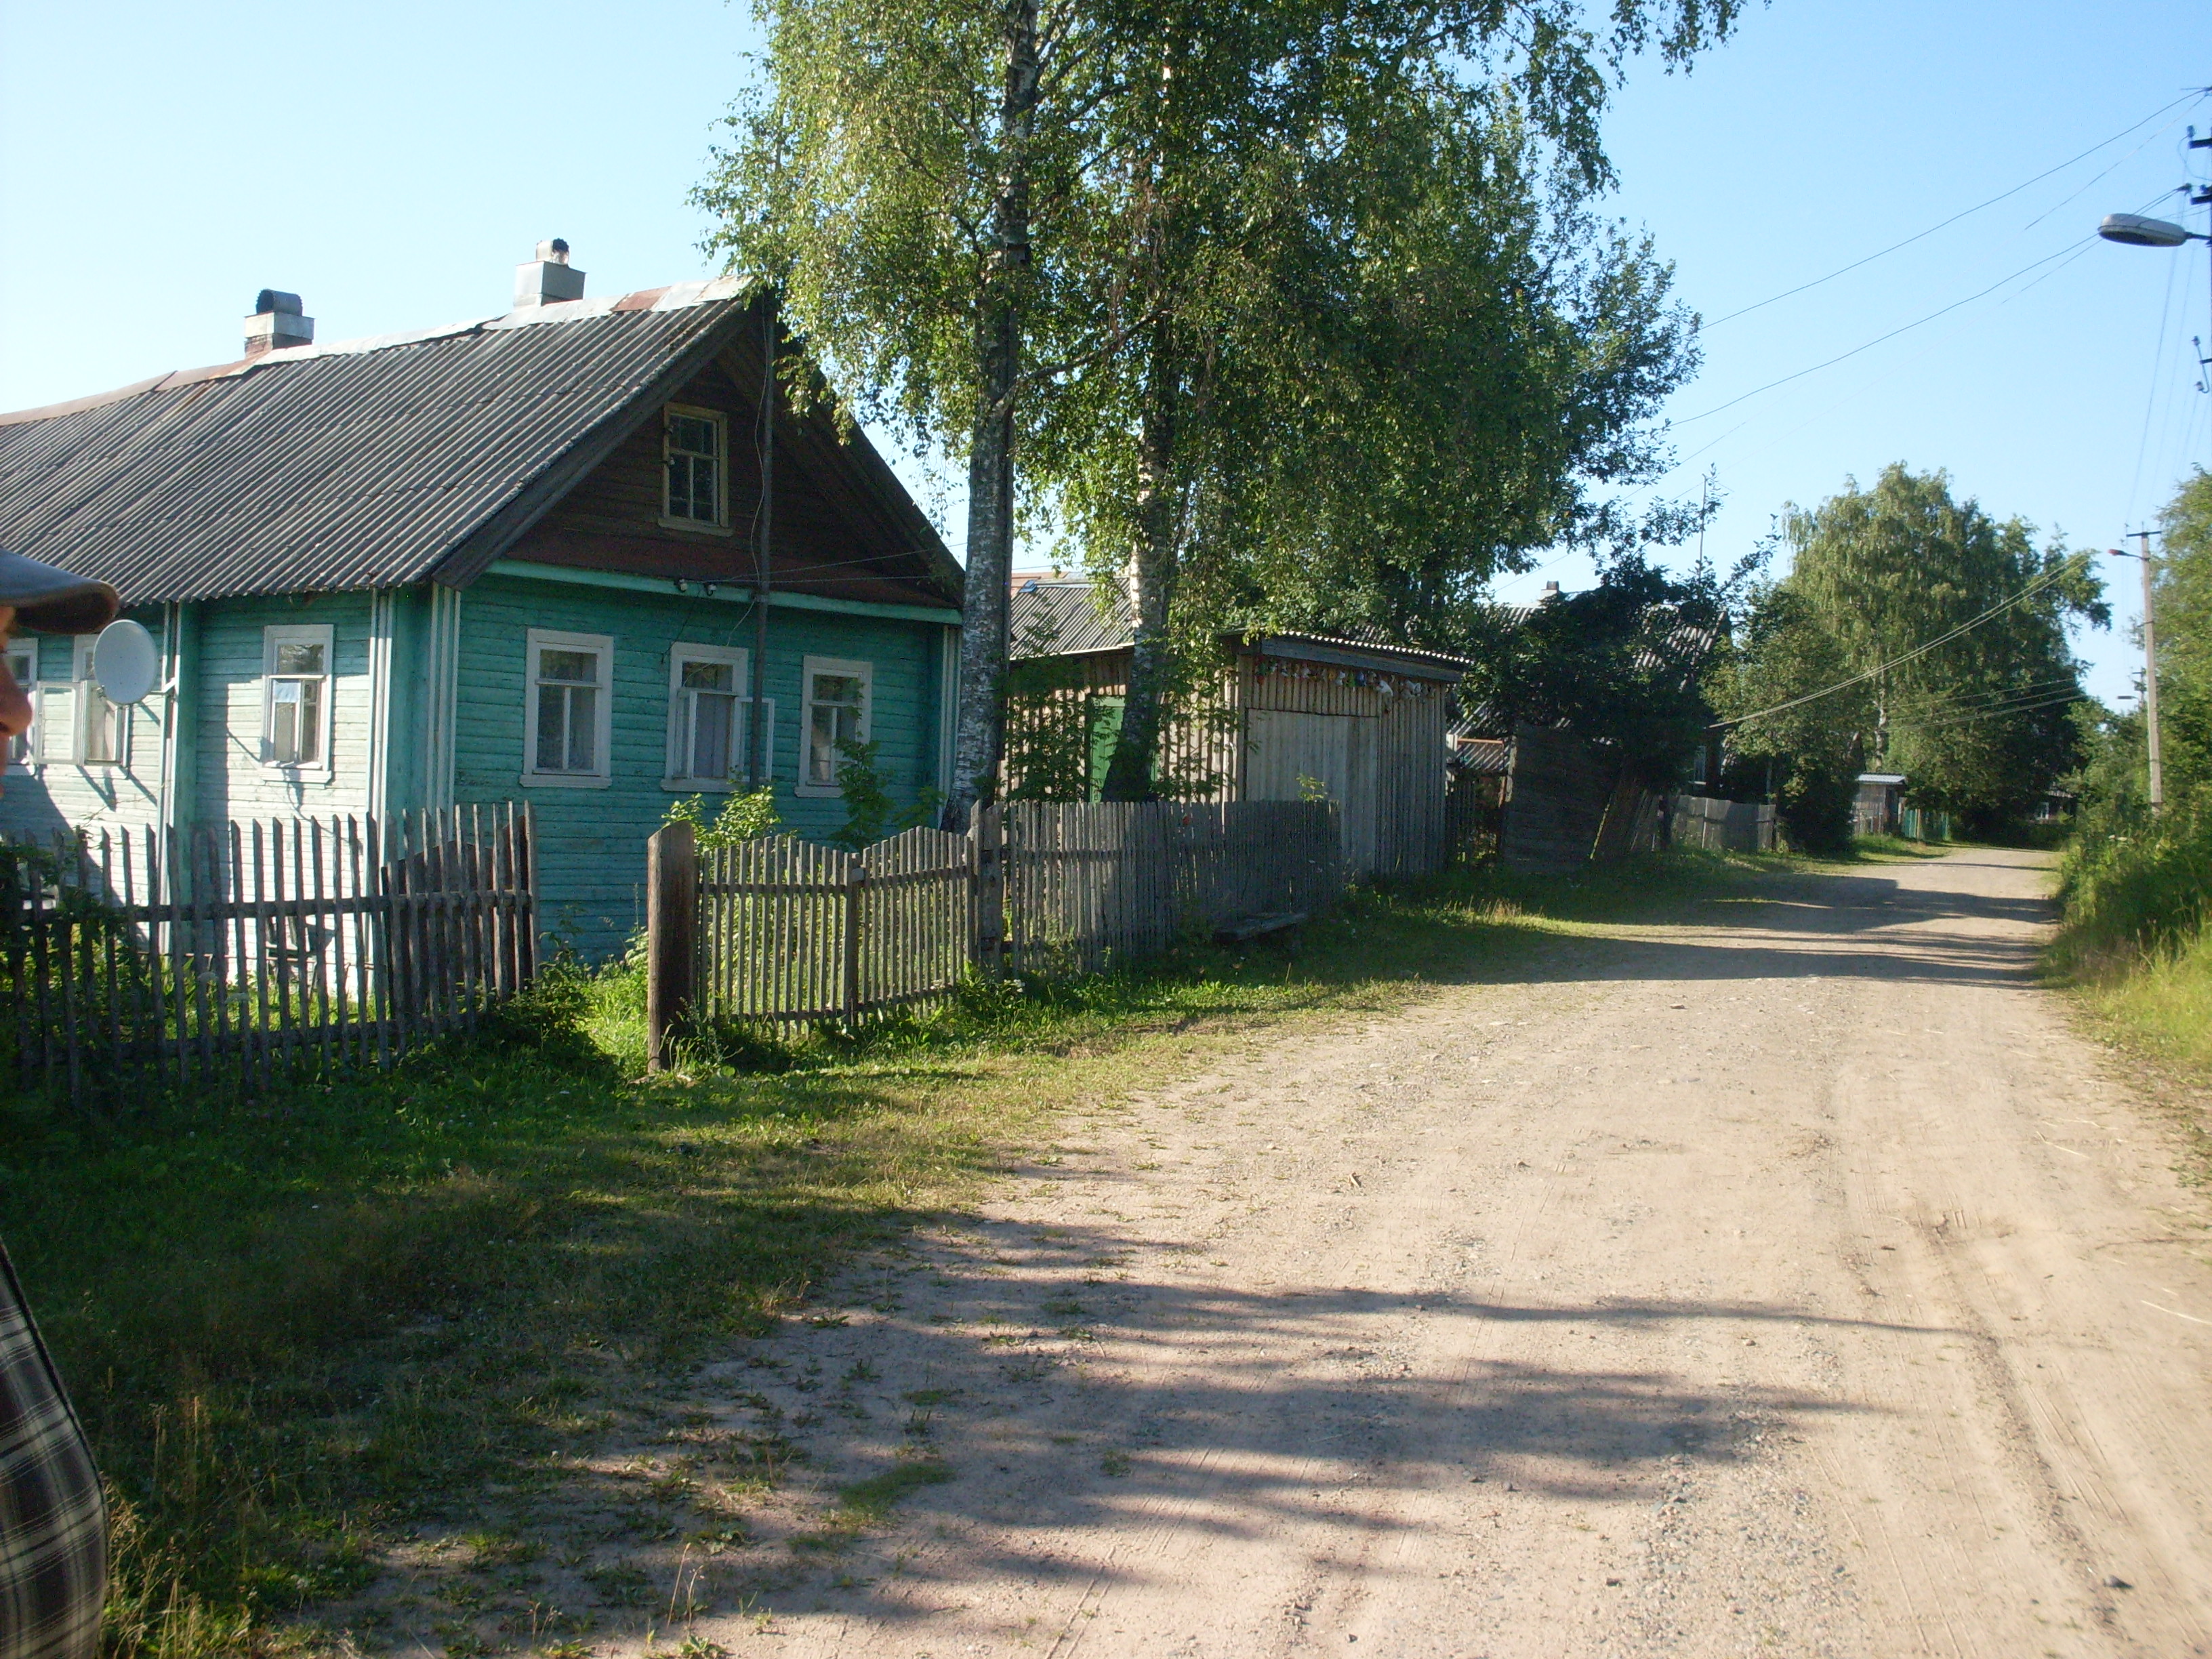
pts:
[1091, 884]
[783, 933]
[790, 932]
[226, 953]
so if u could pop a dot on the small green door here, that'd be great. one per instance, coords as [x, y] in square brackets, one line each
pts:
[1105, 723]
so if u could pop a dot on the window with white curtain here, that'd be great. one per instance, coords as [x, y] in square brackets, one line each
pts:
[709, 717]
[23, 664]
[567, 724]
[297, 702]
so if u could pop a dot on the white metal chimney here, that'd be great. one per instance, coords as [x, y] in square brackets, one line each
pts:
[548, 278]
[276, 322]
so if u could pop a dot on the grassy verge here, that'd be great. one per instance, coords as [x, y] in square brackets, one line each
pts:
[389, 1326]
[2134, 945]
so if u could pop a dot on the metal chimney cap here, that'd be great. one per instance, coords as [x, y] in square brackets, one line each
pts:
[276, 301]
[554, 250]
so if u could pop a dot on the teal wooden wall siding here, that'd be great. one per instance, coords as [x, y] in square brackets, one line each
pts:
[52, 792]
[231, 780]
[591, 841]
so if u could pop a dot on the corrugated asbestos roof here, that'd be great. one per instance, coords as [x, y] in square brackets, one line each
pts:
[365, 464]
[1059, 615]
[1063, 616]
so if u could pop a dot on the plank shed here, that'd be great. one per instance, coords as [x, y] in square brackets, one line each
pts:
[1281, 716]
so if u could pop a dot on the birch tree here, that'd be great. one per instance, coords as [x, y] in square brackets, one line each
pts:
[945, 194]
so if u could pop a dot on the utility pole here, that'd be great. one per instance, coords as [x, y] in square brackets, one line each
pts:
[2150, 680]
[2150, 670]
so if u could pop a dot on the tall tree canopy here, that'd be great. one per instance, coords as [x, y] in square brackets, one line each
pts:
[993, 221]
[1949, 627]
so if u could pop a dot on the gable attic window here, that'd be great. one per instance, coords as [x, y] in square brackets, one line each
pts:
[295, 705]
[23, 664]
[102, 734]
[837, 699]
[710, 711]
[695, 444]
[567, 711]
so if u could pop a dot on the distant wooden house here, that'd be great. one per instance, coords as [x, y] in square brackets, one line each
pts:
[511, 559]
[1288, 716]
[1878, 802]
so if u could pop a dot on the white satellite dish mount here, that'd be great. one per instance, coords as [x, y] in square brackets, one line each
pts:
[126, 663]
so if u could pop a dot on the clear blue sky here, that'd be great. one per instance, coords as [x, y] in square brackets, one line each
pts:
[160, 163]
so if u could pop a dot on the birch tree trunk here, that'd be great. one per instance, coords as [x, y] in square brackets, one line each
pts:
[979, 725]
[1152, 568]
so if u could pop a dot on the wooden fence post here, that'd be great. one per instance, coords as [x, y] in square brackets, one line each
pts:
[856, 884]
[987, 860]
[672, 933]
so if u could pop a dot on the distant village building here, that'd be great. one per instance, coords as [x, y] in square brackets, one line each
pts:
[510, 559]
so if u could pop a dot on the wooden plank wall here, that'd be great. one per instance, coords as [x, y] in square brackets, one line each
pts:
[1556, 802]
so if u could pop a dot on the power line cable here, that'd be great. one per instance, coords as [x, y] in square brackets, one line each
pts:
[1869, 345]
[1865, 674]
[1969, 212]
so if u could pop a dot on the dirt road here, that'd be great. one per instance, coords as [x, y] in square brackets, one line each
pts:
[1793, 1282]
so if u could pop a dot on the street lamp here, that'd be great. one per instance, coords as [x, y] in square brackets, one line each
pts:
[2134, 230]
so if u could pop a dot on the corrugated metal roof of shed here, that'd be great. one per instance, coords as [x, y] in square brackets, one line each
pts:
[318, 468]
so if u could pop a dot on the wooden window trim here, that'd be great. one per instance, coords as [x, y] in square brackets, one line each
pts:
[721, 525]
[33, 758]
[542, 639]
[83, 691]
[739, 659]
[322, 634]
[863, 672]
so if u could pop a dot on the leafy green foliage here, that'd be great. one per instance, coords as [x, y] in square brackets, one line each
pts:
[871, 813]
[1619, 664]
[1297, 281]
[1982, 726]
[745, 815]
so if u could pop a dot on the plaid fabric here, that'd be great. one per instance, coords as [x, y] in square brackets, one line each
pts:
[53, 1522]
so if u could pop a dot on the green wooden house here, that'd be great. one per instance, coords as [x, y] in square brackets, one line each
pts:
[515, 559]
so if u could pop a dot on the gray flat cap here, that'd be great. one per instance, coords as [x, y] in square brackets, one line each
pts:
[51, 600]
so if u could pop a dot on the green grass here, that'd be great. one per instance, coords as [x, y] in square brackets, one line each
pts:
[412, 1303]
[2161, 1005]
[2134, 942]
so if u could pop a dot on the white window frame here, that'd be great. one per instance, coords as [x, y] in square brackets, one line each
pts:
[602, 645]
[863, 672]
[33, 754]
[739, 662]
[86, 698]
[720, 524]
[321, 770]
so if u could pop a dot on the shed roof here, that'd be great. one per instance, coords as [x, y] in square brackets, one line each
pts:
[1062, 617]
[367, 463]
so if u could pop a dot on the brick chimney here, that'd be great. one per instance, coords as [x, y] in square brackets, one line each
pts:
[548, 278]
[276, 323]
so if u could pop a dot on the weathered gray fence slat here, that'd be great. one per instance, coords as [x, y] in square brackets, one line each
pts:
[214, 950]
[788, 933]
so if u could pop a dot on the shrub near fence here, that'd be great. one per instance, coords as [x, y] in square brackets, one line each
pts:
[224, 952]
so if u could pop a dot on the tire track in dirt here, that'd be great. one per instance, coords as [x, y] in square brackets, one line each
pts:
[1770, 1283]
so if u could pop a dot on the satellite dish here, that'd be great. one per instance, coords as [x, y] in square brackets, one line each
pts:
[126, 664]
